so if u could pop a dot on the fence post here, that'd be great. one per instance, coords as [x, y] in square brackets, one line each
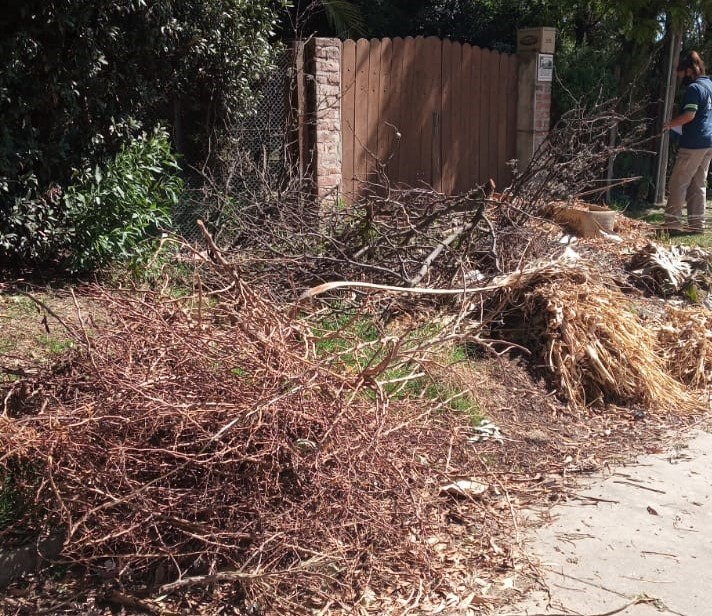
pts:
[323, 68]
[535, 59]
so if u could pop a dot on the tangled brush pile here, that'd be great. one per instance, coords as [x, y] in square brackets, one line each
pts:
[195, 439]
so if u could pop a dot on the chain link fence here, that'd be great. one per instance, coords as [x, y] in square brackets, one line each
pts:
[255, 161]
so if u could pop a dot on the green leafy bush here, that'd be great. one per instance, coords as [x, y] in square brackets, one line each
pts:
[32, 228]
[115, 211]
[111, 212]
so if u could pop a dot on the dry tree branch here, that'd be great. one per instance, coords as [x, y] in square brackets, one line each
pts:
[574, 158]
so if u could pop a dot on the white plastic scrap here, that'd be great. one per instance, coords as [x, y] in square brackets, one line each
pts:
[464, 487]
[485, 431]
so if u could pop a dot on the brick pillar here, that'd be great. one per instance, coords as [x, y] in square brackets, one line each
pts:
[535, 56]
[323, 68]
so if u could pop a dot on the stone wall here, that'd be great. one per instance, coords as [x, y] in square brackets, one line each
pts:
[542, 113]
[323, 68]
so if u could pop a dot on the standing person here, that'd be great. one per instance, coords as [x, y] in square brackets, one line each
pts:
[688, 182]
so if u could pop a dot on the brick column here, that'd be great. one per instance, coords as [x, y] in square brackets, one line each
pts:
[323, 68]
[535, 56]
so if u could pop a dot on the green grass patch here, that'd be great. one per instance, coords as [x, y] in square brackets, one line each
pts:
[400, 384]
[55, 346]
[655, 215]
[656, 218]
[351, 342]
[349, 339]
[239, 372]
[700, 240]
[18, 306]
[455, 400]
[349, 324]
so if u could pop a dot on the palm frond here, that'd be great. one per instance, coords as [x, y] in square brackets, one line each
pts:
[344, 17]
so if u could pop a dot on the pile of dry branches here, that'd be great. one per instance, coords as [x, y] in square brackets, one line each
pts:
[572, 163]
[409, 237]
[200, 440]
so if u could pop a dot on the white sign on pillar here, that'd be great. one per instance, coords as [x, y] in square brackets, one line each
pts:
[544, 66]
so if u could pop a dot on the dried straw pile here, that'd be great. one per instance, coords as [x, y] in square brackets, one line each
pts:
[591, 340]
[184, 442]
[685, 341]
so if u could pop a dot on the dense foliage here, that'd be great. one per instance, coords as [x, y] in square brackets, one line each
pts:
[115, 207]
[73, 69]
[108, 212]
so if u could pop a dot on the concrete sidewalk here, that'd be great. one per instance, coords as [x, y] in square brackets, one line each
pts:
[639, 537]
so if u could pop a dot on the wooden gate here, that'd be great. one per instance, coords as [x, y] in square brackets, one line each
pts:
[434, 112]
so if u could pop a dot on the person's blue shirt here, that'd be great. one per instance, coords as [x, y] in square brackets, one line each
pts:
[697, 134]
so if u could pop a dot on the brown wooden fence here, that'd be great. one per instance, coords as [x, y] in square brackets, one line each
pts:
[454, 106]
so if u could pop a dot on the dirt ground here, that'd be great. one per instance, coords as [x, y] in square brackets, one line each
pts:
[37, 325]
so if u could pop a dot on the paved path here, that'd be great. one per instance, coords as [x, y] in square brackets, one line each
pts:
[641, 537]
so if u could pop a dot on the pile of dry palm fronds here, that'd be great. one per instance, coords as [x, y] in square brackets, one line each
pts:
[685, 342]
[601, 352]
[666, 270]
[590, 338]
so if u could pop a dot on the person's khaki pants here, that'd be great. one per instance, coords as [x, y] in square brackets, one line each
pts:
[688, 184]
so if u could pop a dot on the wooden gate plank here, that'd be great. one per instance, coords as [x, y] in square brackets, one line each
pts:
[500, 109]
[454, 147]
[361, 123]
[430, 151]
[468, 108]
[462, 117]
[425, 105]
[374, 112]
[420, 169]
[476, 161]
[447, 175]
[512, 93]
[409, 142]
[348, 108]
[395, 105]
[384, 134]
[486, 87]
